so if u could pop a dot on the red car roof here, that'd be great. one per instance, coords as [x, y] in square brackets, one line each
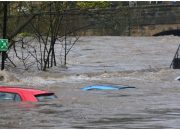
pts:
[26, 94]
[21, 90]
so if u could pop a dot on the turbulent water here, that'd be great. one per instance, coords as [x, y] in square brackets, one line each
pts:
[142, 62]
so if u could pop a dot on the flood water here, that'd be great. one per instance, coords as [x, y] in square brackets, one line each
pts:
[142, 62]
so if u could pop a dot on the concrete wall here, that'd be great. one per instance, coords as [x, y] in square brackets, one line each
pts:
[149, 21]
[150, 30]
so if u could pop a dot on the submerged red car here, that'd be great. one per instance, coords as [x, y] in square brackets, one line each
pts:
[18, 94]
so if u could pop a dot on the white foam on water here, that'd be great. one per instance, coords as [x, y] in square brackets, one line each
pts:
[36, 80]
[47, 81]
[7, 77]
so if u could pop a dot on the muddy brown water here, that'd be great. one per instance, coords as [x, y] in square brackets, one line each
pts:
[142, 62]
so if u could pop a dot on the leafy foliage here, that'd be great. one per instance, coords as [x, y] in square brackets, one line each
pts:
[95, 4]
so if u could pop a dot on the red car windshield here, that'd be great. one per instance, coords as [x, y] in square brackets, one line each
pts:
[45, 97]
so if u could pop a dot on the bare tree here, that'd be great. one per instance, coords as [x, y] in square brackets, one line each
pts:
[40, 47]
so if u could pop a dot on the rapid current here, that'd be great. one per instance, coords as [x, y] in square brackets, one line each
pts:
[142, 62]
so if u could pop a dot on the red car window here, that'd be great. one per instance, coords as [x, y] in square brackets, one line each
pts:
[17, 98]
[45, 97]
[5, 96]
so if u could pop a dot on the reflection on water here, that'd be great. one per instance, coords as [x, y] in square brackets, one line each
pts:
[140, 62]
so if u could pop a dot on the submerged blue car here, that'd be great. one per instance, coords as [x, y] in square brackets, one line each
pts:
[105, 87]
